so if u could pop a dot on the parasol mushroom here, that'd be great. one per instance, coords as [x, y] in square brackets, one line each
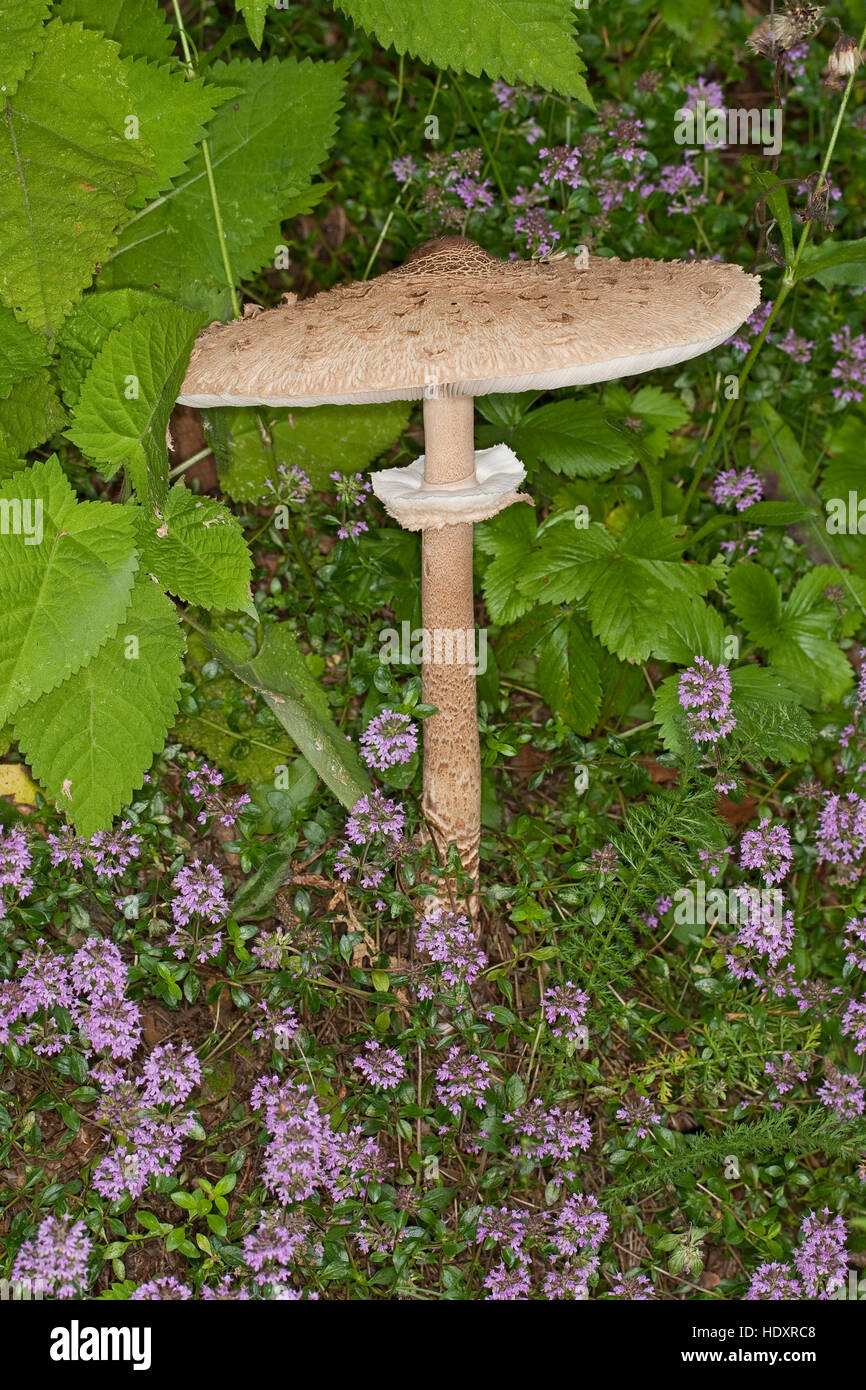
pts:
[452, 323]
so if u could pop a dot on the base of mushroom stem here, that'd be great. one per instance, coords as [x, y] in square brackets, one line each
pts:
[447, 895]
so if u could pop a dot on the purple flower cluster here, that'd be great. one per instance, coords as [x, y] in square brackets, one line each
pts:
[388, 740]
[90, 987]
[639, 1113]
[820, 1264]
[165, 1288]
[753, 326]
[383, 1067]
[15, 863]
[742, 489]
[146, 1119]
[562, 164]
[545, 1134]
[462, 1077]
[763, 925]
[843, 1094]
[204, 786]
[291, 486]
[564, 1008]
[55, 1261]
[850, 367]
[566, 1241]
[448, 938]
[376, 824]
[199, 900]
[842, 833]
[279, 1023]
[705, 695]
[767, 849]
[304, 1152]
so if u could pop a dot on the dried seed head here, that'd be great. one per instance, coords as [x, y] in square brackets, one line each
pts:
[779, 32]
[845, 58]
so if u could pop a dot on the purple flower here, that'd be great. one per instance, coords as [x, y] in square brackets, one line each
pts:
[605, 860]
[374, 815]
[705, 695]
[169, 1075]
[564, 1008]
[462, 1077]
[580, 1226]
[111, 852]
[538, 231]
[821, 1258]
[676, 180]
[200, 894]
[505, 1227]
[786, 1072]
[768, 849]
[449, 939]
[854, 1024]
[548, 1135]
[743, 489]
[67, 848]
[560, 163]
[505, 96]
[388, 740]
[639, 1114]
[850, 367]
[855, 930]
[774, 1282]
[55, 1261]
[403, 168]
[753, 327]
[280, 1024]
[843, 1093]
[15, 861]
[166, 1287]
[203, 784]
[507, 1285]
[382, 1066]
[842, 832]
[798, 349]
[762, 925]
[638, 1288]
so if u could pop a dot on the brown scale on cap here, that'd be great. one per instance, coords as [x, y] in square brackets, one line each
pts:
[458, 318]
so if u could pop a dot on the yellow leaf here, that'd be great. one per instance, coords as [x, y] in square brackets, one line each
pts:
[15, 782]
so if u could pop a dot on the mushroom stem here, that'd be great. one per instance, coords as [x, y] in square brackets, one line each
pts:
[451, 799]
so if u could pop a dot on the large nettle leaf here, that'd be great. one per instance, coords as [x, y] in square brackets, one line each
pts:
[265, 146]
[320, 440]
[632, 588]
[140, 27]
[21, 351]
[572, 437]
[796, 634]
[21, 22]
[90, 740]
[127, 397]
[530, 41]
[30, 414]
[172, 113]
[68, 568]
[196, 549]
[67, 170]
[88, 327]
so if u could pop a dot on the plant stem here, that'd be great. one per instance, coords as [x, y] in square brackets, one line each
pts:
[189, 64]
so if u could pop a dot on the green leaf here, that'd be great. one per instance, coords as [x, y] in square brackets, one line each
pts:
[797, 635]
[658, 412]
[567, 673]
[250, 757]
[172, 113]
[141, 27]
[254, 13]
[21, 351]
[320, 440]
[128, 395]
[835, 263]
[87, 328]
[696, 630]
[197, 551]
[529, 41]
[280, 675]
[265, 146]
[757, 602]
[30, 414]
[509, 539]
[66, 172]
[91, 740]
[22, 24]
[571, 436]
[60, 600]
[777, 201]
[775, 514]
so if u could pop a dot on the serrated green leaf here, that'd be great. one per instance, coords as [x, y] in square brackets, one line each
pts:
[265, 146]
[21, 351]
[87, 328]
[572, 437]
[567, 673]
[197, 551]
[172, 113]
[61, 599]
[657, 414]
[757, 601]
[696, 630]
[320, 440]
[508, 538]
[66, 172]
[797, 634]
[141, 27]
[30, 414]
[91, 740]
[254, 13]
[22, 24]
[530, 41]
[128, 395]
[280, 675]
[835, 263]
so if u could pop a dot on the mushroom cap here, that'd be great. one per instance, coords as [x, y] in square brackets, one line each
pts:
[454, 320]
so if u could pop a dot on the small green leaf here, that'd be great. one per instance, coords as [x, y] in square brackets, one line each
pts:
[196, 549]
